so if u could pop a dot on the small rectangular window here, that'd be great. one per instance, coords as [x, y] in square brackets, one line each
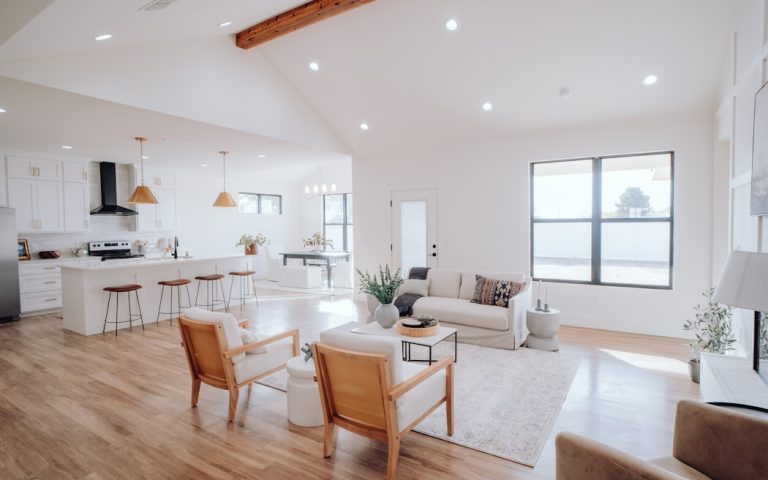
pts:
[260, 203]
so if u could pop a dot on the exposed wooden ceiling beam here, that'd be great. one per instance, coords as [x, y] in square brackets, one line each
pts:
[294, 19]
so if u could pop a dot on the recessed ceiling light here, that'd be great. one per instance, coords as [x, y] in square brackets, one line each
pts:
[261, 155]
[650, 80]
[487, 106]
[101, 38]
[2, 110]
[314, 66]
[67, 147]
[145, 157]
[452, 25]
[225, 24]
[564, 92]
[364, 126]
[203, 164]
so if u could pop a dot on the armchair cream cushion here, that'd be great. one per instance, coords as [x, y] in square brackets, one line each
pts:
[228, 325]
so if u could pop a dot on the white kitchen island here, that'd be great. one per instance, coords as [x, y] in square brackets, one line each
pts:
[85, 302]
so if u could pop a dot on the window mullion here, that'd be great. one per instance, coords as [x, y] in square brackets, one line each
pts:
[597, 213]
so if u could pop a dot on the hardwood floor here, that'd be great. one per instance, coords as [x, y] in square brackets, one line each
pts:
[106, 407]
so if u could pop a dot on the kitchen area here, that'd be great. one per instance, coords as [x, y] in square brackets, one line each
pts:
[64, 236]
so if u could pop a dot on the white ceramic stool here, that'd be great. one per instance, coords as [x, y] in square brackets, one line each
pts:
[300, 276]
[304, 407]
[543, 327]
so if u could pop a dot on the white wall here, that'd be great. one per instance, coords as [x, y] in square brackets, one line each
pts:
[743, 74]
[483, 212]
[208, 231]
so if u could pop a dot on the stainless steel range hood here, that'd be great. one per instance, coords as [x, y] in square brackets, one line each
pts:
[109, 204]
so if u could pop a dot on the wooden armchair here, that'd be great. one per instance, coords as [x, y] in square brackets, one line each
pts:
[217, 356]
[366, 388]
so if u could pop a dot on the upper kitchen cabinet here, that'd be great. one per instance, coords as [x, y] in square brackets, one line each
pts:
[77, 207]
[163, 216]
[76, 172]
[33, 168]
[38, 205]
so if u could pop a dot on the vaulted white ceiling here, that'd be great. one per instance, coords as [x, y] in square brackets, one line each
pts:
[391, 64]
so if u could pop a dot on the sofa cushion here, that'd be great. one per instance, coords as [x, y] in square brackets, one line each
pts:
[228, 326]
[456, 310]
[416, 287]
[444, 282]
[248, 336]
[468, 280]
[490, 291]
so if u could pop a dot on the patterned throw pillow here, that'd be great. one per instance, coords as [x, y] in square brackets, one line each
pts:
[495, 292]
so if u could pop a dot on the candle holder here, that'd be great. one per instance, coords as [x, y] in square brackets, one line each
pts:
[546, 308]
[538, 305]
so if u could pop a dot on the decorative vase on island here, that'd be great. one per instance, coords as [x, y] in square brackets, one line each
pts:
[694, 369]
[251, 249]
[386, 315]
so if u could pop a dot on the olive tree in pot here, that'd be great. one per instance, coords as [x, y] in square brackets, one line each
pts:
[712, 332]
[384, 287]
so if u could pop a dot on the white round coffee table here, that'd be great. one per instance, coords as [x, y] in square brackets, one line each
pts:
[304, 408]
[543, 327]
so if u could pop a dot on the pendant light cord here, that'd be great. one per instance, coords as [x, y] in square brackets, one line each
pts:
[141, 141]
[224, 162]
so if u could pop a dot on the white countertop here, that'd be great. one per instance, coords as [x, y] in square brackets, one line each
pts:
[133, 263]
[63, 258]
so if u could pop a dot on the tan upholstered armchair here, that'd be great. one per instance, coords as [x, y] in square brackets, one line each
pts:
[367, 388]
[217, 356]
[710, 443]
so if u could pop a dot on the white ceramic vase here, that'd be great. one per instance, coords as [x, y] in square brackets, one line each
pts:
[386, 315]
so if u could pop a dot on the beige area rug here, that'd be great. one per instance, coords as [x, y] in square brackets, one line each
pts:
[506, 401]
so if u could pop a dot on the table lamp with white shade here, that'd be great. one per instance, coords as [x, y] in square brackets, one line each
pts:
[744, 284]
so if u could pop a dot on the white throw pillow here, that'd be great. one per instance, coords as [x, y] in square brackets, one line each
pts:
[249, 337]
[417, 287]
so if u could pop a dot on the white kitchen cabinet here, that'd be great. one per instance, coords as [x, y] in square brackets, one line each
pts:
[75, 172]
[33, 168]
[40, 284]
[22, 197]
[159, 178]
[159, 217]
[38, 205]
[3, 183]
[77, 203]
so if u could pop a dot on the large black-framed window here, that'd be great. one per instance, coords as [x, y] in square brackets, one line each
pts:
[261, 203]
[337, 220]
[604, 220]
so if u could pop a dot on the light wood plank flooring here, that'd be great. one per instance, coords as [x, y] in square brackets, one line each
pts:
[106, 407]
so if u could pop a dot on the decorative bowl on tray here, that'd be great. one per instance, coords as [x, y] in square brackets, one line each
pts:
[421, 326]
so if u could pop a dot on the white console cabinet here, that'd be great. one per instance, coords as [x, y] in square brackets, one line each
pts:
[726, 378]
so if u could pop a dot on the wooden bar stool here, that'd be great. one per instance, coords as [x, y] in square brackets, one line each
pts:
[210, 291]
[178, 283]
[131, 316]
[244, 276]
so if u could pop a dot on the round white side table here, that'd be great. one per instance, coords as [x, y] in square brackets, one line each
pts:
[304, 408]
[543, 327]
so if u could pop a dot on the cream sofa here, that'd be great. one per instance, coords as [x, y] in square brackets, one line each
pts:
[450, 292]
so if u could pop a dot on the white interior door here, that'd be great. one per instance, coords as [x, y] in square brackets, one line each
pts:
[414, 229]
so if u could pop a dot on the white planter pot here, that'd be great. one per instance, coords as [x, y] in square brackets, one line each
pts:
[386, 315]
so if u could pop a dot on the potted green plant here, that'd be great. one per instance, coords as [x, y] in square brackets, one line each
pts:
[384, 287]
[711, 327]
[251, 243]
[317, 242]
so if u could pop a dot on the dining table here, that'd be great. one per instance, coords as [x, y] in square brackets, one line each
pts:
[329, 257]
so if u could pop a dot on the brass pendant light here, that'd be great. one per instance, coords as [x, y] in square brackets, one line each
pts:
[224, 199]
[142, 194]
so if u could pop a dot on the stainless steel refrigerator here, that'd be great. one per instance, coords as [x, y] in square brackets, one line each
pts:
[9, 266]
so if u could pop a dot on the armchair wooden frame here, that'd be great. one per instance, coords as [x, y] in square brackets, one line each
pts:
[209, 362]
[369, 409]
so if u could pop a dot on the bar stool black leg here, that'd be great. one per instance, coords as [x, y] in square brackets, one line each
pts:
[223, 297]
[189, 300]
[138, 304]
[170, 307]
[231, 284]
[117, 309]
[109, 300]
[130, 314]
[197, 295]
[253, 287]
[160, 307]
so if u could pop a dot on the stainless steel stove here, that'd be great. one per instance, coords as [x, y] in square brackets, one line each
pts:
[112, 250]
